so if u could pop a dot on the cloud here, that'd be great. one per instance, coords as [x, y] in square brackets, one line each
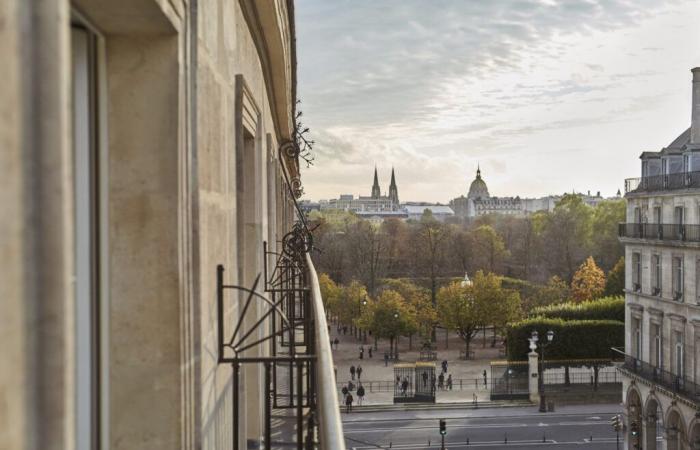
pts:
[422, 83]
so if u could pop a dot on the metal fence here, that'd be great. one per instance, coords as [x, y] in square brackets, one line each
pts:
[458, 384]
[681, 180]
[677, 383]
[660, 231]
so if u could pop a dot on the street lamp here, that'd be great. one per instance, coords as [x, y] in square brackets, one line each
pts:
[535, 338]
[396, 343]
[360, 304]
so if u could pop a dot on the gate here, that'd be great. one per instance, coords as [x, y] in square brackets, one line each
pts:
[509, 380]
[414, 382]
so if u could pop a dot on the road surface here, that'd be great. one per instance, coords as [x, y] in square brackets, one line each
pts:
[495, 428]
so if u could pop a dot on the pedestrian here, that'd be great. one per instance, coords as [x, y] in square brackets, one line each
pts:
[398, 380]
[386, 359]
[444, 366]
[425, 379]
[336, 343]
[370, 351]
[331, 339]
[362, 353]
[335, 372]
[360, 394]
[345, 330]
[359, 371]
[352, 372]
[449, 382]
[404, 386]
[441, 381]
[432, 381]
[348, 403]
[484, 375]
[344, 391]
[351, 386]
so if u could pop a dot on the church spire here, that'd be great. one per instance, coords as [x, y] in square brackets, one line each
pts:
[393, 190]
[478, 171]
[376, 192]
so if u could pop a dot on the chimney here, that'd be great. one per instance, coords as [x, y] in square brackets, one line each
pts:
[695, 113]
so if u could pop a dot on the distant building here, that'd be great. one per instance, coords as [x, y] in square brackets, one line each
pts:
[479, 202]
[440, 212]
[376, 202]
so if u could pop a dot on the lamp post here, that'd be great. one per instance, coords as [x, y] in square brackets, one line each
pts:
[535, 338]
[360, 304]
[396, 340]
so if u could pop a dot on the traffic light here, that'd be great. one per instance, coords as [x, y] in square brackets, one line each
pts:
[616, 422]
[443, 427]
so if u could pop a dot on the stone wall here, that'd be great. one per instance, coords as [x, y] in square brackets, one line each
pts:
[193, 98]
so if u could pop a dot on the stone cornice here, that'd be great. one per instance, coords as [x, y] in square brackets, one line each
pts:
[677, 317]
[657, 388]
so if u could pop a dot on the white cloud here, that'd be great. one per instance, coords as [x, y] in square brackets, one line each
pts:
[531, 89]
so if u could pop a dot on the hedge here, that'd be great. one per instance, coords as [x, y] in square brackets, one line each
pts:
[607, 308]
[573, 339]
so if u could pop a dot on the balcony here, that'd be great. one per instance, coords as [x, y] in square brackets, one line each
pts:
[677, 384]
[673, 181]
[660, 232]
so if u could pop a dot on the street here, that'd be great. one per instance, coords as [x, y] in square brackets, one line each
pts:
[495, 428]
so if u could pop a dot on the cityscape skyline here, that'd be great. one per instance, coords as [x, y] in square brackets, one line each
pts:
[518, 87]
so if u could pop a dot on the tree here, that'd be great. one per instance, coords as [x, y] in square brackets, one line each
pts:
[615, 285]
[606, 245]
[466, 309]
[588, 282]
[330, 292]
[366, 253]
[488, 248]
[418, 299]
[350, 304]
[431, 238]
[566, 233]
[389, 316]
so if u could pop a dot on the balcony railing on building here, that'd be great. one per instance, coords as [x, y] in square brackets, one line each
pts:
[660, 231]
[672, 181]
[675, 383]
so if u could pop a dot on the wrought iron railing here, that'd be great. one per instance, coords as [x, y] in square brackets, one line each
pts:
[298, 373]
[676, 383]
[680, 180]
[660, 231]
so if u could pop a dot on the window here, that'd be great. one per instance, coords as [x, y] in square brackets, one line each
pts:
[679, 362]
[678, 278]
[686, 163]
[637, 331]
[655, 274]
[636, 272]
[657, 214]
[656, 345]
[87, 257]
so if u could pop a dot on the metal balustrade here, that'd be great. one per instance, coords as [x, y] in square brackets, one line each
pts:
[678, 384]
[660, 231]
[672, 181]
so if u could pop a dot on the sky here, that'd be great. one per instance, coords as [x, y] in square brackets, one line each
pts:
[547, 96]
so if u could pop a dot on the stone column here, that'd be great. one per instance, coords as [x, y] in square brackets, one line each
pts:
[533, 377]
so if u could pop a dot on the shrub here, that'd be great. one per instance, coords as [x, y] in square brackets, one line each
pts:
[574, 339]
[606, 308]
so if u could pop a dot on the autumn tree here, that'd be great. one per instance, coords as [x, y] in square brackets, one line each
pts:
[330, 293]
[418, 299]
[389, 316]
[588, 282]
[466, 309]
[350, 302]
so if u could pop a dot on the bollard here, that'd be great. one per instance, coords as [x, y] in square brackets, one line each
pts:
[591, 437]
[467, 441]
[390, 444]
[544, 438]
[505, 438]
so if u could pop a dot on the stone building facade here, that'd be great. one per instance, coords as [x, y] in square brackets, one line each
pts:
[139, 150]
[661, 373]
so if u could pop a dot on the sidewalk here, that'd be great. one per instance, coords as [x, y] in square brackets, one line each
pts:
[374, 370]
